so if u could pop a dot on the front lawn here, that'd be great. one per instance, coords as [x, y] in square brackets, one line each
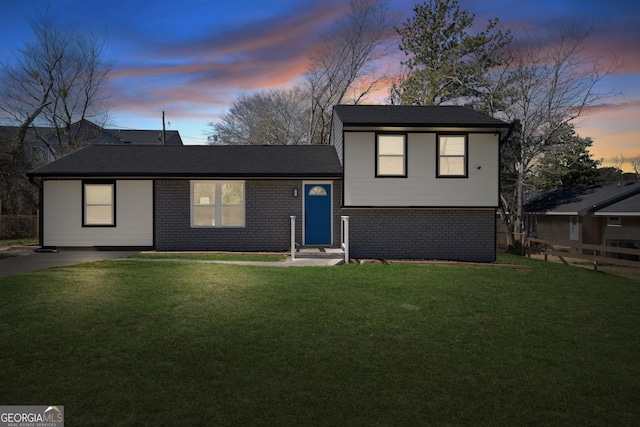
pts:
[138, 343]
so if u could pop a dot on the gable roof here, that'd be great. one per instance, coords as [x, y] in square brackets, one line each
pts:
[146, 137]
[98, 135]
[627, 207]
[230, 161]
[414, 115]
[580, 200]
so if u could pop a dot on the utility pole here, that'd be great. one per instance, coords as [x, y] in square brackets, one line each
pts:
[163, 130]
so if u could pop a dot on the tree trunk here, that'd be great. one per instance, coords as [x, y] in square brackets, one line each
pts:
[518, 235]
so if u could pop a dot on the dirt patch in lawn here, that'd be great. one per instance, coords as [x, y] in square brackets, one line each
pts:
[617, 270]
[17, 251]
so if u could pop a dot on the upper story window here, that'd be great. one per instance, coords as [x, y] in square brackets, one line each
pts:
[391, 155]
[217, 203]
[99, 201]
[452, 156]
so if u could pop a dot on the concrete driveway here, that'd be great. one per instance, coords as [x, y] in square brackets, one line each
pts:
[40, 260]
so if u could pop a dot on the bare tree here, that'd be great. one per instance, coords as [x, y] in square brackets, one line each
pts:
[635, 164]
[347, 60]
[56, 80]
[17, 195]
[549, 87]
[618, 162]
[272, 117]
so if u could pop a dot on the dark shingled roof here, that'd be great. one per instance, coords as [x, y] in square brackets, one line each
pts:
[579, 200]
[630, 205]
[146, 137]
[196, 161]
[94, 134]
[413, 115]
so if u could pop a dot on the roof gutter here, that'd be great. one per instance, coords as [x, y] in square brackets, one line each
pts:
[508, 134]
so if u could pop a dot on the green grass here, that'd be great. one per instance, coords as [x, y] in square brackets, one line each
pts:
[16, 242]
[214, 256]
[132, 343]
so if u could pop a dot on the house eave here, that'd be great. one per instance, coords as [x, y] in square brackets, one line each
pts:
[616, 214]
[186, 176]
[554, 213]
[421, 128]
[422, 207]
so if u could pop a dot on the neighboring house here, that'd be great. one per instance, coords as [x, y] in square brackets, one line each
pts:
[89, 133]
[597, 214]
[416, 183]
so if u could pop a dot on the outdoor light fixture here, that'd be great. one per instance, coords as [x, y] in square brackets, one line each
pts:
[295, 192]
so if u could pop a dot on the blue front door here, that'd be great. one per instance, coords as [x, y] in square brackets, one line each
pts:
[317, 214]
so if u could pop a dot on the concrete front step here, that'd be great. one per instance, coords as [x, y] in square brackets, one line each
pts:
[320, 253]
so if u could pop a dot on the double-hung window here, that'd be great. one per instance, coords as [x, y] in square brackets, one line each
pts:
[452, 156]
[217, 203]
[99, 202]
[391, 155]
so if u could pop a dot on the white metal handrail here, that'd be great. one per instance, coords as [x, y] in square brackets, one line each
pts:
[293, 237]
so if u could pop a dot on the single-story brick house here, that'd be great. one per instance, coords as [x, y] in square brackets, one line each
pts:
[605, 214]
[415, 182]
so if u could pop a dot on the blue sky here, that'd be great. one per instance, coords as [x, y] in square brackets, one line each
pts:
[192, 58]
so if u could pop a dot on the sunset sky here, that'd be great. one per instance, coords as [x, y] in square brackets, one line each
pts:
[193, 58]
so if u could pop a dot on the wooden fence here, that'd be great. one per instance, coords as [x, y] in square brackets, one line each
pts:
[602, 254]
[18, 226]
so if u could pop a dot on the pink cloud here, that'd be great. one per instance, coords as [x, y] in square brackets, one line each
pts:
[214, 69]
[612, 107]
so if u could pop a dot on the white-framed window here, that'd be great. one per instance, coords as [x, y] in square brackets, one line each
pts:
[217, 203]
[98, 204]
[391, 155]
[614, 221]
[452, 156]
[574, 228]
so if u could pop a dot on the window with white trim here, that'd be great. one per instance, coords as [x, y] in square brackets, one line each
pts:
[614, 221]
[391, 152]
[98, 204]
[217, 203]
[452, 156]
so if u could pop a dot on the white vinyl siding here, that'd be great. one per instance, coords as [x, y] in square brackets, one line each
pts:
[421, 187]
[63, 210]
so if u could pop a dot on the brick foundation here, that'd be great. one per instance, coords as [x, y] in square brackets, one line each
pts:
[462, 235]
